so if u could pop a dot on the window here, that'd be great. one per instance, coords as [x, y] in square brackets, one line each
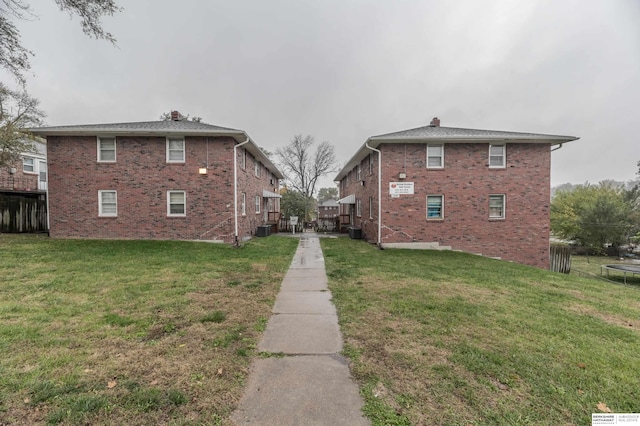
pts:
[496, 156]
[358, 173]
[28, 165]
[435, 156]
[370, 207]
[107, 150]
[243, 204]
[257, 204]
[496, 206]
[107, 204]
[176, 203]
[435, 208]
[257, 168]
[358, 208]
[370, 164]
[243, 159]
[175, 150]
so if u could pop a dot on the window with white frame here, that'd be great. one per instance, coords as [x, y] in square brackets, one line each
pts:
[497, 206]
[107, 203]
[176, 203]
[435, 156]
[358, 207]
[370, 207]
[175, 150]
[106, 150]
[497, 156]
[435, 206]
[358, 173]
[257, 204]
[243, 204]
[370, 164]
[256, 168]
[28, 165]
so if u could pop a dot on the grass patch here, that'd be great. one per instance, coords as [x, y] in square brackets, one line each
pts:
[451, 338]
[131, 332]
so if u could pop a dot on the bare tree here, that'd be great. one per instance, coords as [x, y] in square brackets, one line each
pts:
[14, 57]
[18, 111]
[302, 167]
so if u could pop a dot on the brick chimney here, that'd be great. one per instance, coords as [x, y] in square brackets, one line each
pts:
[176, 116]
[435, 122]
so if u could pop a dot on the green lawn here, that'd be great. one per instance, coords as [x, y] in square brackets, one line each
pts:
[590, 266]
[131, 332]
[455, 339]
[142, 332]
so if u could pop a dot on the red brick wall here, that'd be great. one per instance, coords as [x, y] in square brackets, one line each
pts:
[141, 176]
[253, 186]
[18, 181]
[466, 182]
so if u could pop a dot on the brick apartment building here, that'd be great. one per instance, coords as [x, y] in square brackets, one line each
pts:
[328, 209]
[479, 191]
[171, 179]
[23, 192]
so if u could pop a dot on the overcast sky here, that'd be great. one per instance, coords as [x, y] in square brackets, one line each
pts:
[344, 70]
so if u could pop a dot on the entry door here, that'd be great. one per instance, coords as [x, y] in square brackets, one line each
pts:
[42, 176]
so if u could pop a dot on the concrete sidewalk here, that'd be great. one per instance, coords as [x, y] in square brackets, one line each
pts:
[311, 384]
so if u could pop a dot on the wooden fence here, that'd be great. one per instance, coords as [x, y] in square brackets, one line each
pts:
[560, 259]
[22, 214]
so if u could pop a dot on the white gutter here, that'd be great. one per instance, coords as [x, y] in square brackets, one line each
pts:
[235, 187]
[379, 190]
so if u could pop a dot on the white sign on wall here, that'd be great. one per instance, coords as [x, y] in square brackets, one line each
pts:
[400, 188]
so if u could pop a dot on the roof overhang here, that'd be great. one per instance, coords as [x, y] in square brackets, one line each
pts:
[376, 141]
[269, 194]
[349, 199]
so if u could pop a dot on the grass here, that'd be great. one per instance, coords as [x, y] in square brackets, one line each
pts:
[131, 332]
[450, 338]
[583, 265]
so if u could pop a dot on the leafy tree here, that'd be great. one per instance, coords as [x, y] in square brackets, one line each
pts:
[593, 216]
[14, 57]
[294, 203]
[18, 112]
[325, 194]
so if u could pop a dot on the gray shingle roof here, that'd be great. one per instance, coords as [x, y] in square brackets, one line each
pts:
[433, 132]
[163, 126]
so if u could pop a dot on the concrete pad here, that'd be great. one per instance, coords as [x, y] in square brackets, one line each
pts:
[304, 302]
[295, 334]
[304, 284]
[306, 273]
[302, 390]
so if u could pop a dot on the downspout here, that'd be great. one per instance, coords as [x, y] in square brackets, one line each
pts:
[235, 188]
[379, 191]
[555, 149]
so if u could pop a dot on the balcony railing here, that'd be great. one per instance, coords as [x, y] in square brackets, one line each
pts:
[19, 183]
